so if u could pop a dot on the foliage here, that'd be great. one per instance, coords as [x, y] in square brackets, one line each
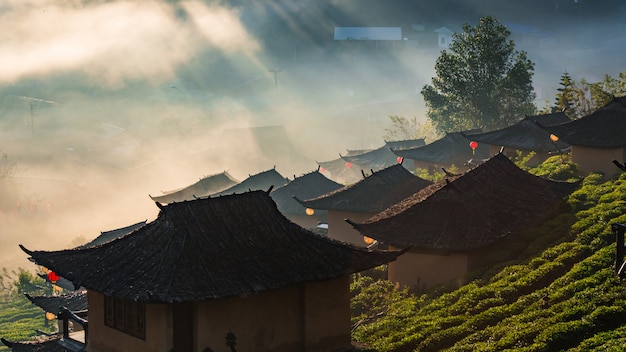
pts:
[558, 167]
[580, 98]
[77, 241]
[565, 295]
[481, 82]
[7, 167]
[564, 100]
[403, 128]
[20, 320]
[521, 160]
[435, 175]
[28, 282]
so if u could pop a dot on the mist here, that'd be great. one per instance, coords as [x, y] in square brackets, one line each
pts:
[103, 103]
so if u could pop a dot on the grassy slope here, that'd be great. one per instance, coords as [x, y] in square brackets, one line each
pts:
[567, 297]
[19, 319]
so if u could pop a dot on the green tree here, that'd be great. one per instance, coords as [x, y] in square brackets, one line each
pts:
[403, 128]
[566, 96]
[482, 81]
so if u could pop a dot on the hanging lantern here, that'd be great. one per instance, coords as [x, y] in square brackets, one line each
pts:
[309, 211]
[53, 277]
[399, 159]
[348, 165]
[554, 138]
[473, 145]
[50, 316]
[322, 169]
[368, 240]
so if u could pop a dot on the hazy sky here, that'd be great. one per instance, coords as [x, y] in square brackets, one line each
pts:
[113, 41]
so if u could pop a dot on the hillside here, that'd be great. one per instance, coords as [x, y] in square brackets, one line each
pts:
[565, 298]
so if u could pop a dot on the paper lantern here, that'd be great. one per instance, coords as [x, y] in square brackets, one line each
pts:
[368, 240]
[53, 277]
[554, 138]
[473, 145]
[322, 169]
[309, 211]
[50, 316]
[348, 165]
[399, 159]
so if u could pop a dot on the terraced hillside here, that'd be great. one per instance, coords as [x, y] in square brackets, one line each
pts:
[565, 298]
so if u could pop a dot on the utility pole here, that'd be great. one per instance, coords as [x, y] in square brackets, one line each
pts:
[275, 71]
[32, 118]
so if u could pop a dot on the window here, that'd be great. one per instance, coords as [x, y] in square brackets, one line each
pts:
[126, 316]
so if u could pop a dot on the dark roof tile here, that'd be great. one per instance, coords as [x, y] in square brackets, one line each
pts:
[452, 149]
[210, 248]
[372, 194]
[603, 128]
[205, 186]
[257, 182]
[74, 301]
[463, 213]
[526, 135]
[108, 236]
[307, 186]
[382, 157]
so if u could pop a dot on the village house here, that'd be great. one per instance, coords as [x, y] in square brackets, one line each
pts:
[260, 181]
[364, 199]
[205, 186]
[453, 224]
[107, 236]
[597, 138]
[310, 185]
[341, 171]
[451, 151]
[216, 272]
[526, 136]
[381, 158]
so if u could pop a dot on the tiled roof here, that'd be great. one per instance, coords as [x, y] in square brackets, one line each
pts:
[604, 128]
[453, 148]
[42, 344]
[210, 248]
[204, 187]
[405, 144]
[339, 172]
[382, 157]
[257, 182]
[74, 301]
[484, 205]
[107, 236]
[307, 186]
[526, 135]
[372, 194]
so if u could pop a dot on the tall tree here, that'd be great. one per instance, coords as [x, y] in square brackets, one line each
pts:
[566, 95]
[481, 81]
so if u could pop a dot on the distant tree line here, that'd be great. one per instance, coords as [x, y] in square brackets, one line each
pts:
[580, 98]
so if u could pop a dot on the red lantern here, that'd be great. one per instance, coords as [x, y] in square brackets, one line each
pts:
[473, 145]
[322, 169]
[399, 159]
[348, 165]
[53, 277]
